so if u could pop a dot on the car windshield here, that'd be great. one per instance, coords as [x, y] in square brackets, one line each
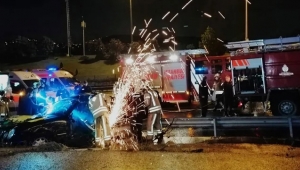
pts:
[68, 81]
[33, 83]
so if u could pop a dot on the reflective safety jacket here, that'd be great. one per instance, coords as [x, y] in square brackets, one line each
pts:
[152, 102]
[138, 104]
[97, 105]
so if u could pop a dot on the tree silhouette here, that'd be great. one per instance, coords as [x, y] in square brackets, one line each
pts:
[114, 48]
[211, 43]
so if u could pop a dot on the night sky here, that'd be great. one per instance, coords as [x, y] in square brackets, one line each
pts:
[34, 18]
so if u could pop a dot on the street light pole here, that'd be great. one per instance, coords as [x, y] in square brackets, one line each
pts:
[246, 20]
[83, 25]
[130, 1]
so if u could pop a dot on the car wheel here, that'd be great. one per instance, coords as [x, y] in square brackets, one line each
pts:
[39, 141]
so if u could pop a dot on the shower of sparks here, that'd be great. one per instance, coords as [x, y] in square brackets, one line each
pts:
[144, 33]
[206, 14]
[148, 35]
[174, 17]
[148, 22]
[174, 42]
[206, 49]
[136, 75]
[248, 2]
[155, 36]
[173, 30]
[129, 50]
[220, 40]
[221, 15]
[186, 4]
[154, 46]
[165, 15]
[133, 30]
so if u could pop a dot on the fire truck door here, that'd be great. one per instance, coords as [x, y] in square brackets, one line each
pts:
[248, 76]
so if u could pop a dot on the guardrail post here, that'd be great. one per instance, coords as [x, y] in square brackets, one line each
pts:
[215, 127]
[291, 127]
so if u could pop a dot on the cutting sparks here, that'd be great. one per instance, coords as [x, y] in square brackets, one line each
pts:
[129, 50]
[186, 4]
[145, 21]
[168, 29]
[206, 49]
[173, 30]
[154, 30]
[206, 14]
[148, 35]
[164, 32]
[144, 33]
[174, 17]
[174, 42]
[165, 15]
[220, 40]
[171, 48]
[221, 15]
[148, 22]
[155, 36]
[248, 2]
[133, 30]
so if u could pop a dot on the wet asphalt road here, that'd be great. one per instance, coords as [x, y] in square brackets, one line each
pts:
[214, 157]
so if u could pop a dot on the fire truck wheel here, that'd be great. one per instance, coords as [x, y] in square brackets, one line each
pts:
[285, 107]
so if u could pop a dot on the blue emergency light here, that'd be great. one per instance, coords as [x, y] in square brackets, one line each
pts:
[52, 69]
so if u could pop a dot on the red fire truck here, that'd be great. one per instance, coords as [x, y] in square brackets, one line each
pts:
[262, 71]
[268, 70]
[171, 73]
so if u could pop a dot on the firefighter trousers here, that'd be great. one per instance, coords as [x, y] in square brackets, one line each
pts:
[102, 129]
[153, 121]
[137, 127]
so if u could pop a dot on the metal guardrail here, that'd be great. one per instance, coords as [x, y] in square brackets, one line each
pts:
[289, 122]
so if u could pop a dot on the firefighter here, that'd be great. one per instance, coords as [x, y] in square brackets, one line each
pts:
[203, 95]
[139, 113]
[154, 113]
[77, 88]
[27, 104]
[62, 93]
[86, 88]
[227, 96]
[100, 112]
[217, 87]
[4, 110]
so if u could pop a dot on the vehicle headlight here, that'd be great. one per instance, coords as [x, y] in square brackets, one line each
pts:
[11, 133]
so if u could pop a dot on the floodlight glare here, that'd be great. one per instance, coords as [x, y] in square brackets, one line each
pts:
[173, 57]
[129, 61]
[150, 59]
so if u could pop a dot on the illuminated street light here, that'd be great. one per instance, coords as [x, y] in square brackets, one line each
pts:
[246, 19]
